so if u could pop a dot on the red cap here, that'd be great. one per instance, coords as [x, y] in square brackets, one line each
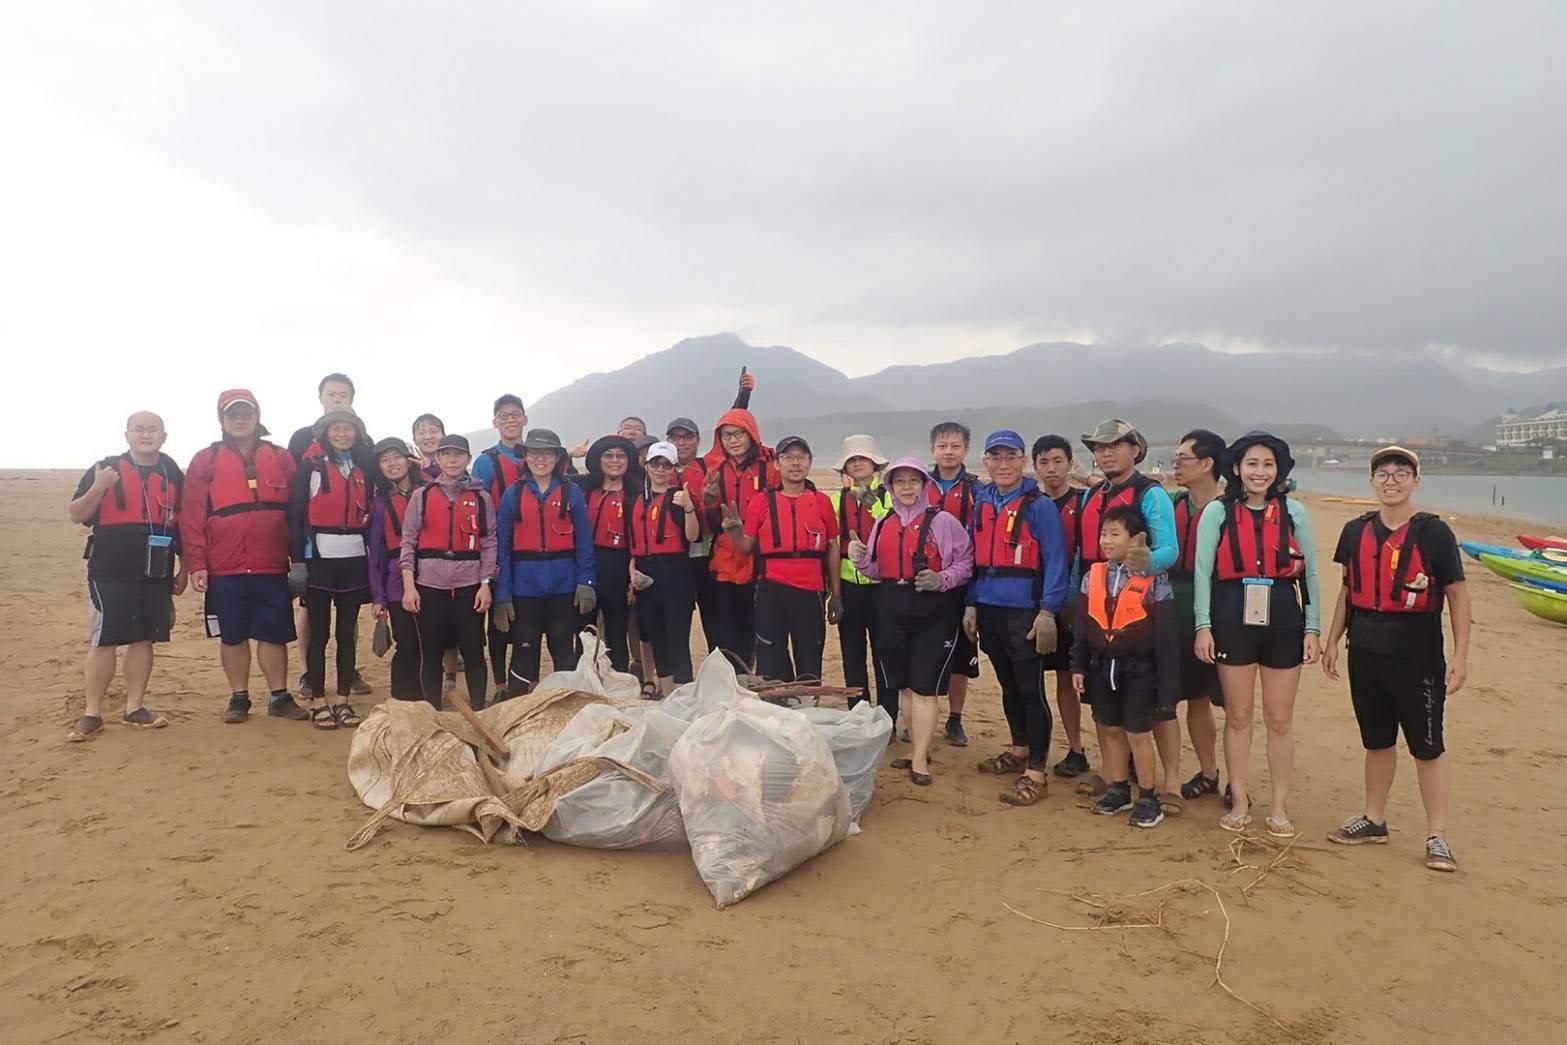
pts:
[236, 395]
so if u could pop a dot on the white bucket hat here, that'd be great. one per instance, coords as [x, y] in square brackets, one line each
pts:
[861, 446]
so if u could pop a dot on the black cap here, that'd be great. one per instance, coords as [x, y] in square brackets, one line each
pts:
[680, 423]
[453, 441]
[389, 444]
[543, 439]
[789, 442]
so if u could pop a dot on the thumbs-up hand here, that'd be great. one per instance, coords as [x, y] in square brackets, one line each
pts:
[856, 549]
[104, 477]
[1138, 558]
[681, 499]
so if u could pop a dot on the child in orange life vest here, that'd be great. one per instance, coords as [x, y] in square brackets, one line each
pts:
[399, 479]
[663, 527]
[794, 533]
[1125, 662]
[611, 480]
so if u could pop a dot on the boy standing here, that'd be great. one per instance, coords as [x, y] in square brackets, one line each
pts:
[1400, 566]
[952, 490]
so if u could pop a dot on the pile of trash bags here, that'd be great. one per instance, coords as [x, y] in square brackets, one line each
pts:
[752, 789]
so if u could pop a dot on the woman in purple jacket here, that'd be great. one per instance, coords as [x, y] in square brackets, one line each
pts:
[399, 477]
[922, 557]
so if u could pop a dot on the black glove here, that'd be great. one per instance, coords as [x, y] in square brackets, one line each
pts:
[298, 580]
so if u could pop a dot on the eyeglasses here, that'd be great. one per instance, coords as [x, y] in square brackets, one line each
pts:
[658, 463]
[512, 415]
[146, 430]
[795, 458]
[1402, 475]
[1184, 458]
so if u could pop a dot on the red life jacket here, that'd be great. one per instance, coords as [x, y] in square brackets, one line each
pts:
[396, 511]
[1096, 502]
[507, 471]
[447, 530]
[1067, 507]
[607, 509]
[958, 501]
[853, 518]
[1185, 536]
[544, 528]
[339, 505]
[1381, 571]
[256, 485]
[152, 504]
[803, 535]
[1258, 544]
[901, 552]
[1003, 544]
[653, 531]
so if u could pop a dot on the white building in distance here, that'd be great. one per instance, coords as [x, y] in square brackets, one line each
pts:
[1514, 430]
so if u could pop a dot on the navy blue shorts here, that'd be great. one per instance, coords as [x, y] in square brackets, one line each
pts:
[251, 606]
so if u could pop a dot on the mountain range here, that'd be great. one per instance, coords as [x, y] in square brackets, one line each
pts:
[1054, 386]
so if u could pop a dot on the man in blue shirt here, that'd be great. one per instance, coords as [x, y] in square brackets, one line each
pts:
[498, 468]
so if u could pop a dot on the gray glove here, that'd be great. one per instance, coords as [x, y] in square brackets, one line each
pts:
[927, 580]
[501, 616]
[1138, 558]
[865, 496]
[641, 581]
[1043, 633]
[298, 578]
[587, 599]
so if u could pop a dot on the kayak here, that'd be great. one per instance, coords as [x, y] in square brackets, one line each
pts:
[1532, 543]
[1474, 549]
[1549, 605]
[1530, 571]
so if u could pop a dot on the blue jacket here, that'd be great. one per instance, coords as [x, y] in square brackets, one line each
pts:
[483, 466]
[1045, 525]
[536, 578]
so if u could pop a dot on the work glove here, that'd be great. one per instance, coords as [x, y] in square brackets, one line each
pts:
[927, 580]
[834, 609]
[298, 578]
[1138, 558]
[587, 599]
[866, 496]
[856, 549]
[971, 623]
[501, 616]
[1043, 633]
[640, 581]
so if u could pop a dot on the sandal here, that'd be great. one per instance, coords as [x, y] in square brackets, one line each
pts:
[1092, 786]
[1025, 791]
[1001, 765]
[922, 779]
[1279, 828]
[1171, 804]
[144, 719]
[1199, 786]
[902, 763]
[1232, 822]
[345, 715]
[89, 727]
[650, 691]
[322, 718]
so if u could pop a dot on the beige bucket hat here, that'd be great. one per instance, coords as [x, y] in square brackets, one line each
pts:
[861, 446]
[1115, 430]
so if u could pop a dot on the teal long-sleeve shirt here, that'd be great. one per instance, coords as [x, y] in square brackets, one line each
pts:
[1209, 527]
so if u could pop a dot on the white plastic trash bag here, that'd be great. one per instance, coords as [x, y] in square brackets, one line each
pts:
[613, 811]
[857, 739]
[759, 794]
[715, 685]
[593, 674]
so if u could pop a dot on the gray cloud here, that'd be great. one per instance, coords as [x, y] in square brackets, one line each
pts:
[1359, 176]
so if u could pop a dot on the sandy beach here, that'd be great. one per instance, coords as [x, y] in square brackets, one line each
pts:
[191, 884]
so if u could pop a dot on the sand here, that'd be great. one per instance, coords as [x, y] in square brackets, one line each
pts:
[190, 884]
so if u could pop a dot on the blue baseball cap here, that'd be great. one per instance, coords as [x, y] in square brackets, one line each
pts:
[1005, 437]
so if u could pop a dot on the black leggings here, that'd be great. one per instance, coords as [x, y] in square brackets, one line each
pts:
[551, 618]
[499, 643]
[446, 619]
[734, 611]
[1003, 636]
[664, 614]
[405, 653]
[789, 617]
[613, 567]
[319, 604]
[702, 588]
[858, 625]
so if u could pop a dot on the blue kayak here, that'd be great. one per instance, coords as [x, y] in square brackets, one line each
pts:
[1474, 549]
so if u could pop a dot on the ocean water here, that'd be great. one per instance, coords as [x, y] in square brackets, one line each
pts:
[1541, 499]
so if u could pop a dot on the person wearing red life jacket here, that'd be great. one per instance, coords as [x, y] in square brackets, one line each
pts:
[735, 470]
[499, 468]
[545, 579]
[1254, 553]
[663, 525]
[952, 489]
[1199, 465]
[793, 532]
[611, 478]
[921, 559]
[1400, 567]
[234, 532]
[858, 503]
[131, 501]
[1052, 455]
[399, 478]
[329, 519]
[448, 559]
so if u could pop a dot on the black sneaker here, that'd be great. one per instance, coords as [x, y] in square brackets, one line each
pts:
[1074, 764]
[237, 711]
[284, 707]
[1146, 813]
[1439, 857]
[1359, 830]
[1116, 800]
[359, 687]
[955, 735]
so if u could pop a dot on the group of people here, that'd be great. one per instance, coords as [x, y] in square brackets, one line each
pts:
[1130, 600]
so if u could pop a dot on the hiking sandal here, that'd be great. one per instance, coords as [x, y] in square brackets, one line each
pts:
[1025, 791]
[322, 718]
[144, 719]
[1092, 785]
[345, 715]
[650, 691]
[88, 727]
[1002, 764]
[1200, 785]
[1171, 804]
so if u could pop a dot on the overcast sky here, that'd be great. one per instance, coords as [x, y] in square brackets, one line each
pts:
[447, 200]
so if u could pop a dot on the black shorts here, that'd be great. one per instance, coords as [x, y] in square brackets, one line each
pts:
[1125, 693]
[1390, 692]
[1197, 678]
[1061, 659]
[129, 610]
[251, 606]
[1278, 644]
[965, 657]
[917, 635]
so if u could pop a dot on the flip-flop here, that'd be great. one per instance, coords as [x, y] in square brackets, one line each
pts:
[144, 719]
[1233, 823]
[88, 727]
[1092, 785]
[1171, 804]
[1279, 828]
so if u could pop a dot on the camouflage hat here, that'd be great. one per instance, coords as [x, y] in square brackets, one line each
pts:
[1115, 430]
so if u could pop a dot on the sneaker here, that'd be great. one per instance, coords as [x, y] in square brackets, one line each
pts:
[1146, 813]
[1074, 764]
[1118, 799]
[284, 707]
[1359, 830]
[955, 735]
[237, 711]
[1438, 856]
[359, 687]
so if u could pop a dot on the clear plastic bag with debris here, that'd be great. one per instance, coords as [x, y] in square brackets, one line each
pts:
[613, 811]
[858, 739]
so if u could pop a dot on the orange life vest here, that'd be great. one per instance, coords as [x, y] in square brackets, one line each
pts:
[450, 530]
[1381, 571]
[507, 471]
[853, 518]
[396, 510]
[958, 501]
[1115, 614]
[1185, 536]
[1003, 544]
[1067, 507]
[152, 503]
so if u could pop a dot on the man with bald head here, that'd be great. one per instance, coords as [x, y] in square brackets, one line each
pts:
[131, 502]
